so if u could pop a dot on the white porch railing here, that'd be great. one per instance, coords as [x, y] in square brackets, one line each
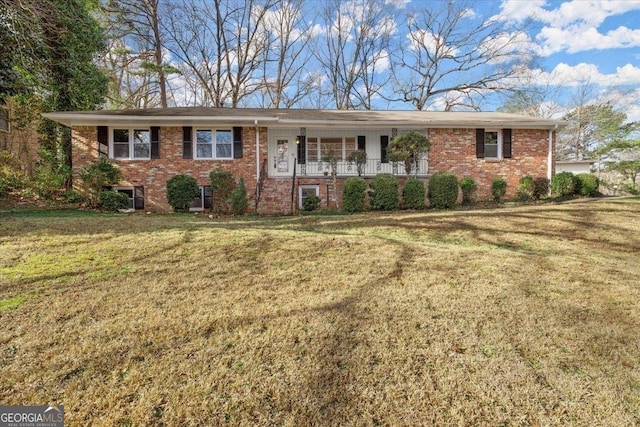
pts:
[372, 167]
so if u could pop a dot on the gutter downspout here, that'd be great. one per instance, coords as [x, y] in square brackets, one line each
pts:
[258, 190]
[550, 154]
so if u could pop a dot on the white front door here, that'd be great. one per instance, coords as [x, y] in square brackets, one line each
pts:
[282, 156]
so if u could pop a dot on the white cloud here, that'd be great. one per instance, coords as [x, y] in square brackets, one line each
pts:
[433, 43]
[580, 74]
[574, 25]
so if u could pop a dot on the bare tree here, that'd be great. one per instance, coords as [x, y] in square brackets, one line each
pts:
[284, 80]
[453, 55]
[135, 59]
[221, 45]
[354, 49]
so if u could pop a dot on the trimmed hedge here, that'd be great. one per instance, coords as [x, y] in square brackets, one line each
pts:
[498, 188]
[526, 189]
[468, 186]
[563, 184]
[385, 192]
[239, 203]
[413, 194]
[112, 200]
[222, 185]
[586, 184]
[443, 190]
[181, 190]
[353, 194]
[541, 187]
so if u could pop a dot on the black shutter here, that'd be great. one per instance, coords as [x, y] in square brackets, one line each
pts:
[506, 143]
[155, 142]
[302, 149]
[480, 143]
[187, 144]
[362, 142]
[138, 197]
[384, 145]
[103, 141]
[237, 142]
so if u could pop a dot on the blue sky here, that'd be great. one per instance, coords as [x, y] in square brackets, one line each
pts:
[586, 41]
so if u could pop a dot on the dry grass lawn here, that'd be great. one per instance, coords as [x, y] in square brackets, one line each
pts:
[524, 316]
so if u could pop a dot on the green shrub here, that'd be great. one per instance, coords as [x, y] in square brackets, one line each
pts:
[98, 175]
[563, 184]
[72, 196]
[359, 158]
[586, 184]
[48, 183]
[181, 190]
[112, 200]
[468, 186]
[353, 194]
[443, 190]
[311, 203]
[385, 192]
[541, 187]
[413, 193]
[526, 189]
[222, 185]
[498, 188]
[11, 175]
[239, 203]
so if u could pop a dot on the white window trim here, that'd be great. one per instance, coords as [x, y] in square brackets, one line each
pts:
[132, 199]
[131, 139]
[213, 143]
[201, 208]
[307, 187]
[499, 143]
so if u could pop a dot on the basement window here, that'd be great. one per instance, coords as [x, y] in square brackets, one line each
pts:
[203, 201]
[306, 191]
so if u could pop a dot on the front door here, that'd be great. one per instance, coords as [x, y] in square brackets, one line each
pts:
[283, 160]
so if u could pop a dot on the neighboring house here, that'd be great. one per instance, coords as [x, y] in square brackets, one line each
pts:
[21, 142]
[574, 166]
[280, 152]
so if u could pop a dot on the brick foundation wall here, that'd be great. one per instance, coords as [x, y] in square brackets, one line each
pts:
[153, 174]
[452, 150]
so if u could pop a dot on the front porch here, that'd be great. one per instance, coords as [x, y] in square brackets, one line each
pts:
[370, 168]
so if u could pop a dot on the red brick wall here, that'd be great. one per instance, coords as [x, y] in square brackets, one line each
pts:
[454, 150]
[153, 174]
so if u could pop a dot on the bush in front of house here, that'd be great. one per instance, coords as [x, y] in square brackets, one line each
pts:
[181, 190]
[443, 190]
[311, 203]
[239, 203]
[586, 184]
[413, 193]
[110, 200]
[353, 194]
[541, 187]
[222, 185]
[563, 184]
[385, 192]
[498, 188]
[468, 186]
[526, 189]
[98, 175]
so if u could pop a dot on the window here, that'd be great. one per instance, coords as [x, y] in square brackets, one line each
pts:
[4, 119]
[491, 143]
[306, 191]
[135, 195]
[131, 144]
[219, 142]
[203, 201]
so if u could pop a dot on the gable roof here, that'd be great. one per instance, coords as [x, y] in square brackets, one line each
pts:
[181, 116]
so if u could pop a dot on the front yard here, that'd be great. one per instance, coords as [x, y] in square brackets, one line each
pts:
[517, 316]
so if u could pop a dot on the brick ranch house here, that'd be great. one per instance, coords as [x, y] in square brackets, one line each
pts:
[279, 152]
